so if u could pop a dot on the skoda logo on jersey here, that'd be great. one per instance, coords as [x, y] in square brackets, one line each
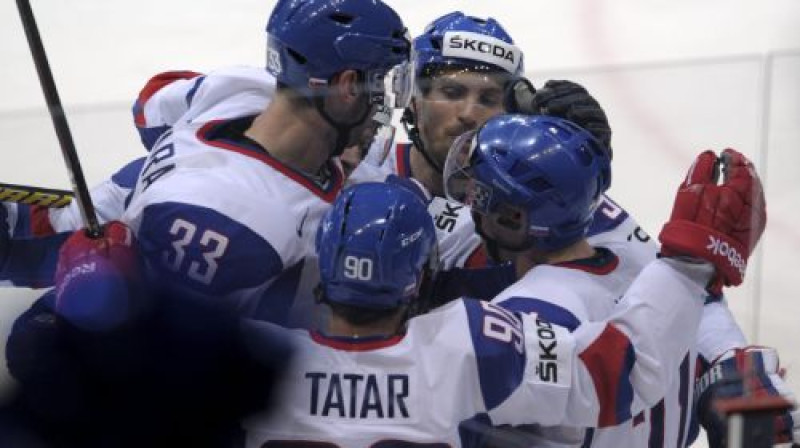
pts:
[480, 47]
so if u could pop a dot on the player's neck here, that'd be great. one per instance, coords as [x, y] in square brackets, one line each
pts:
[292, 137]
[339, 327]
[425, 173]
[532, 258]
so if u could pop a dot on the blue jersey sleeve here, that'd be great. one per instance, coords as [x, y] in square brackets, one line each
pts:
[204, 251]
[483, 283]
[31, 262]
[497, 339]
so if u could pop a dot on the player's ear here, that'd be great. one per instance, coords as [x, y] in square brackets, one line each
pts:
[346, 85]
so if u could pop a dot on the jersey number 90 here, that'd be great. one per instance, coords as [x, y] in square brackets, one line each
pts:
[356, 268]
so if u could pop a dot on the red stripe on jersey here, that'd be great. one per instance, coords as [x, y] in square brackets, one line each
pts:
[478, 258]
[155, 84]
[609, 360]
[40, 221]
[403, 159]
[354, 344]
[337, 175]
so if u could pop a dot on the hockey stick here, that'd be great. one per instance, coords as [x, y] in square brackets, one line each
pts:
[85, 205]
[43, 197]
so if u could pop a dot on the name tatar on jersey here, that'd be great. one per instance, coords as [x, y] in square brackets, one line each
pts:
[358, 396]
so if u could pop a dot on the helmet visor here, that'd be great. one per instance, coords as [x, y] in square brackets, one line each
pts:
[401, 85]
[459, 181]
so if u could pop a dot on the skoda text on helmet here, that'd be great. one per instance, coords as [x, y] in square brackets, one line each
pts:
[310, 41]
[550, 167]
[459, 40]
[456, 42]
[374, 245]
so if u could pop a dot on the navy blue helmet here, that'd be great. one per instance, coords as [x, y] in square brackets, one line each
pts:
[309, 41]
[374, 245]
[549, 167]
[458, 40]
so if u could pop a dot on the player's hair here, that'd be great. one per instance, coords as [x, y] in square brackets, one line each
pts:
[358, 315]
[374, 247]
[551, 167]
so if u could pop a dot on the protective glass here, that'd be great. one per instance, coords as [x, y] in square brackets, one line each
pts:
[401, 84]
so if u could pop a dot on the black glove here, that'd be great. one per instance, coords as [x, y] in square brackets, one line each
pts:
[563, 99]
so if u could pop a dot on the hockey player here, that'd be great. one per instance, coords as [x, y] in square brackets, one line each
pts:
[373, 377]
[225, 201]
[516, 173]
[453, 90]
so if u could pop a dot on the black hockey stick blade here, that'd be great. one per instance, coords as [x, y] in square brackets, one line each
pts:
[43, 197]
[71, 160]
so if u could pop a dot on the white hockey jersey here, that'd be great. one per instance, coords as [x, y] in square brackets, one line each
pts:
[108, 198]
[215, 213]
[469, 365]
[571, 294]
[603, 281]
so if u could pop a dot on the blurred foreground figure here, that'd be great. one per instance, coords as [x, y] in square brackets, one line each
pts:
[107, 362]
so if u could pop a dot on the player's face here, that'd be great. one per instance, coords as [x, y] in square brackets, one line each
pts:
[354, 154]
[457, 102]
[506, 225]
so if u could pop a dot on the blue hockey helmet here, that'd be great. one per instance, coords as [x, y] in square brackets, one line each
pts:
[551, 168]
[374, 245]
[458, 40]
[309, 41]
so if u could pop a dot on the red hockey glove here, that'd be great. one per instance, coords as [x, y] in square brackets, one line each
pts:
[95, 278]
[717, 223]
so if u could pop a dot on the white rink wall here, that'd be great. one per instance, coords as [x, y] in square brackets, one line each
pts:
[675, 77]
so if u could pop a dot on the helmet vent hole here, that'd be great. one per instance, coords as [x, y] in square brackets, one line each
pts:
[297, 56]
[539, 184]
[343, 19]
[585, 155]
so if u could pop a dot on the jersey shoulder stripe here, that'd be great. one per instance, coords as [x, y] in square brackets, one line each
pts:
[153, 86]
[609, 360]
[208, 135]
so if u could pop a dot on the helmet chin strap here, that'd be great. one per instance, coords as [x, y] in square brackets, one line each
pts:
[409, 124]
[343, 130]
[493, 246]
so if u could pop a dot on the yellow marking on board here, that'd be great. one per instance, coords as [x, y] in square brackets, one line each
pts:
[43, 199]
